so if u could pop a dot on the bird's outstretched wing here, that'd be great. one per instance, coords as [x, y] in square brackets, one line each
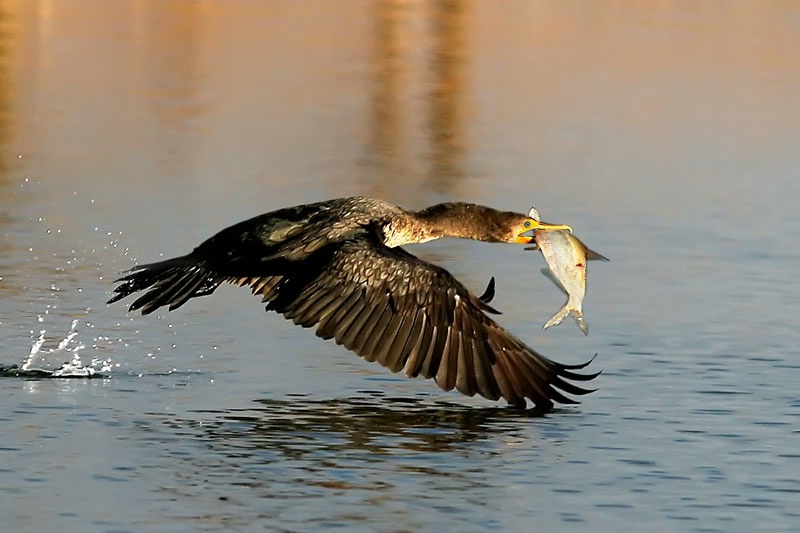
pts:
[388, 306]
[382, 303]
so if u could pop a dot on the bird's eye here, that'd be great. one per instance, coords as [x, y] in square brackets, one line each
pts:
[527, 223]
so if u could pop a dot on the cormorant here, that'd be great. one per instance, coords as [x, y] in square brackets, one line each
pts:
[338, 265]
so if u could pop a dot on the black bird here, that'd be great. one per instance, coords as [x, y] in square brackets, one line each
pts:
[338, 265]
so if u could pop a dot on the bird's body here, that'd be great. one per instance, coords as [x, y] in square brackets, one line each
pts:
[338, 265]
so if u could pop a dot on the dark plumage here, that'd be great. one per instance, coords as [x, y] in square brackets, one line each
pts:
[338, 265]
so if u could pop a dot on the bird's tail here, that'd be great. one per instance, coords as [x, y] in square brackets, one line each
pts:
[172, 282]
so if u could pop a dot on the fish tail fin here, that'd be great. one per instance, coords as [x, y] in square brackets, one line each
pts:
[577, 314]
[557, 318]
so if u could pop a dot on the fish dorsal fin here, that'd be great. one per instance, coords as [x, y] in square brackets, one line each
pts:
[591, 255]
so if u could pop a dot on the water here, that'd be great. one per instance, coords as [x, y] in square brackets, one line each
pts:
[666, 135]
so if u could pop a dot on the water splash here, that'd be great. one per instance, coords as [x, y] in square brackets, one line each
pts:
[74, 367]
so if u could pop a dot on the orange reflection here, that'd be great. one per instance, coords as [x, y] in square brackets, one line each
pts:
[447, 94]
[417, 141]
[170, 36]
[6, 97]
[429, 93]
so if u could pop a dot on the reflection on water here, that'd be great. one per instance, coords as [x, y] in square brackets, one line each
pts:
[386, 111]
[370, 422]
[6, 100]
[447, 97]
[320, 463]
[171, 51]
[404, 79]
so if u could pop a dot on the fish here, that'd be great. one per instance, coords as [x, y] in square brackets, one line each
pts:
[566, 258]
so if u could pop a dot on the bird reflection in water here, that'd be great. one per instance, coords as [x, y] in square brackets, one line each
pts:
[369, 422]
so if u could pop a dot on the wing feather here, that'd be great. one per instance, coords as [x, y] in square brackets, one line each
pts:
[328, 325]
[395, 361]
[445, 376]
[416, 356]
[352, 337]
[377, 333]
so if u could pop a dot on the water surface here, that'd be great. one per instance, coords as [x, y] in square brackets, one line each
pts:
[665, 134]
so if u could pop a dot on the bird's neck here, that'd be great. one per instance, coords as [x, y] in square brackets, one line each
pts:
[454, 219]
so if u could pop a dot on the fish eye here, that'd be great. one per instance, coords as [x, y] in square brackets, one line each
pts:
[527, 223]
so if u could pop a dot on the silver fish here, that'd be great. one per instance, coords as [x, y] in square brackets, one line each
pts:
[566, 256]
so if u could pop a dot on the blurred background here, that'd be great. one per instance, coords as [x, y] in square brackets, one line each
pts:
[666, 133]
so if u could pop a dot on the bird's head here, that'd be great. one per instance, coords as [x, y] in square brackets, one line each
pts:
[524, 229]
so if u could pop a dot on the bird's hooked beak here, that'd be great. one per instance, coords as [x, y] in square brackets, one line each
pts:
[532, 225]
